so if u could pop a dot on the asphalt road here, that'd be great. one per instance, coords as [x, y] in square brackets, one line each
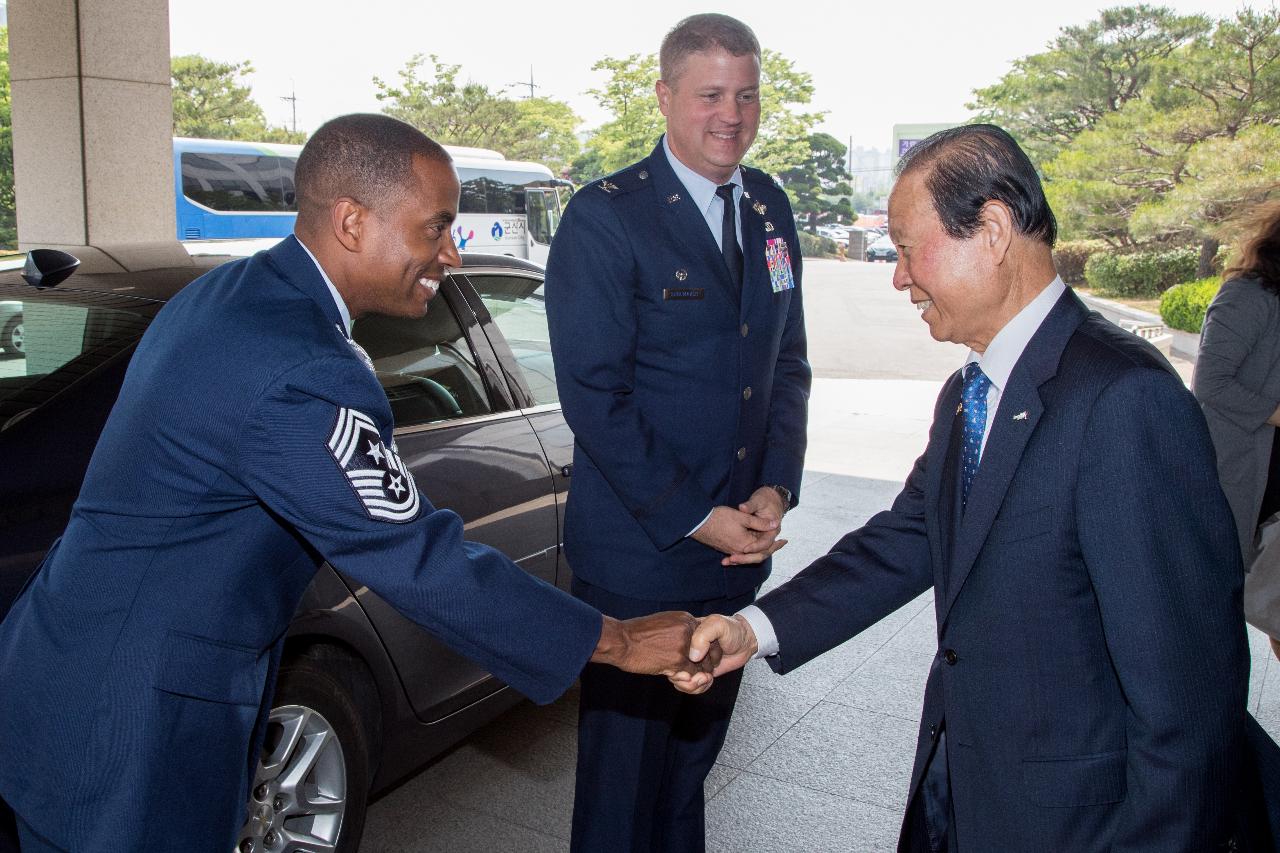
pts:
[861, 328]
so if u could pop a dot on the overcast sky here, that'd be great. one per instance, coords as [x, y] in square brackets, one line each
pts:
[873, 64]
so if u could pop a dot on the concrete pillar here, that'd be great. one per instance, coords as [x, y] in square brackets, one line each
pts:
[92, 124]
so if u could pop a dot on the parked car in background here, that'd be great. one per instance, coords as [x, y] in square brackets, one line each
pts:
[835, 232]
[364, 697]
[11, 328]
[882, 249]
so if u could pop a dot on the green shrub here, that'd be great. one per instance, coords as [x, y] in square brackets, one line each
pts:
[1143, 274]
[1069, 257]
[1183, 305]
[813, 246]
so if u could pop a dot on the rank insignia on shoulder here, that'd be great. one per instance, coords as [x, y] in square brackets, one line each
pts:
[768, 227]
[673, 198]
[759, 208]
[608, 186]
[383, 485]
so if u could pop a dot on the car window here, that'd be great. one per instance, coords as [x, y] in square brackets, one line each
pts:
[426, 366]
[519, 310]
[49, 343]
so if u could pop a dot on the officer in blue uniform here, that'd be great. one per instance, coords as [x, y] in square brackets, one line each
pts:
[250, 441]
[679, 344]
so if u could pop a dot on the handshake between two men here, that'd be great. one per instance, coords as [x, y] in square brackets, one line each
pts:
[688, 650]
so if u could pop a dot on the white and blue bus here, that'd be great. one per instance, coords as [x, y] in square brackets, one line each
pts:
[231, 190]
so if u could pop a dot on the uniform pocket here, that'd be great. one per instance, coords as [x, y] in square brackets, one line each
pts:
[1085, 780]
[200, 668]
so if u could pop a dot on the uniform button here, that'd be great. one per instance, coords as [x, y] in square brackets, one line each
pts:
[746, 393]
[950, 657]
[742, 453]
[744, 330]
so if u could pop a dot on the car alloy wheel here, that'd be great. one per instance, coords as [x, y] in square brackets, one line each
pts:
[300, 790]
[311, 788]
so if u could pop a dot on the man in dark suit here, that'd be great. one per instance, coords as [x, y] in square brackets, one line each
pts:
[674, 304]
[250, 441]
[1089, 687]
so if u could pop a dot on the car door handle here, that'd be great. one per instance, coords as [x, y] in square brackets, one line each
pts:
[566, 470]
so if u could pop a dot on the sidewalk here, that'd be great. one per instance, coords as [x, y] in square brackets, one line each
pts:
[818, 760]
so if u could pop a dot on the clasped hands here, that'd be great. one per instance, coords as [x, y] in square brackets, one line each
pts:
[748, 534]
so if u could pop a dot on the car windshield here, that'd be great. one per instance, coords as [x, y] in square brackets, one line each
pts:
[55, 338]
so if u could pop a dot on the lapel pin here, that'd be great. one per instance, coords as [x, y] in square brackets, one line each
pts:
[959, 408]
[759, 208]
[643, 176]
[746, 194]
[768, 227]
[1021, 416]
[673, 198]
[608, 186]
[681, 275]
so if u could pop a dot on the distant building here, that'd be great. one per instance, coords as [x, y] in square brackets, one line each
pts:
[907, 135]
[870, 169]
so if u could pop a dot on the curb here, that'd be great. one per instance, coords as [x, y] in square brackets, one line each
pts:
[1144, 324]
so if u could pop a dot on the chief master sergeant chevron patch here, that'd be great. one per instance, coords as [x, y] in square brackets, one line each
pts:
[382, 483]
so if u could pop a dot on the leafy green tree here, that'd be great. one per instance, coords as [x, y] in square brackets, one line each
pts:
[210, 101]
[819, 186]
[636, 121]
[545, 132]
[1159, 168]
[453, 113]
[783, 142]
[8, 215]
[1088, 72]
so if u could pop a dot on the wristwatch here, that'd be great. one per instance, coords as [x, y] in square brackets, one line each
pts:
[784, 493]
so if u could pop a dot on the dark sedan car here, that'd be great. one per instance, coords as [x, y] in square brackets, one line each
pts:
[364, 696]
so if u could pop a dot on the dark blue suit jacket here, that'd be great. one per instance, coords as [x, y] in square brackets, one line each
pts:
[249, 442]
[684, 392]
[1092, 668]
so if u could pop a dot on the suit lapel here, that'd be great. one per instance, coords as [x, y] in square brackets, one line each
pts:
[683, 220]
[940, 477]
[1014, 423]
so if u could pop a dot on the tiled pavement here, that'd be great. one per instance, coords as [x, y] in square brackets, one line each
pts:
[817, 760]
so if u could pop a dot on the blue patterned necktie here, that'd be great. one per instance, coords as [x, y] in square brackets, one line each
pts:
[974, 398]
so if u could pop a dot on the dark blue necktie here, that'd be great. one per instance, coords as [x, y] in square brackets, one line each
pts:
[974, 398]
[729, 234]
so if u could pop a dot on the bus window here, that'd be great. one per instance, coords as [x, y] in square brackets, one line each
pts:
[239, 182]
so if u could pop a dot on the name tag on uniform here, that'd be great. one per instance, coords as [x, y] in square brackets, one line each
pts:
[682, 292]
[778, 257]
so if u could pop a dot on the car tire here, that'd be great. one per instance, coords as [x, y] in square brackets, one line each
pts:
[312, 784]
[12, 340]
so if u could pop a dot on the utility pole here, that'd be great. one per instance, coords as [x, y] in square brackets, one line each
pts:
[293, 102]
[530, 84]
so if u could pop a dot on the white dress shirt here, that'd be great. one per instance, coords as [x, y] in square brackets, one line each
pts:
[997, 362]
